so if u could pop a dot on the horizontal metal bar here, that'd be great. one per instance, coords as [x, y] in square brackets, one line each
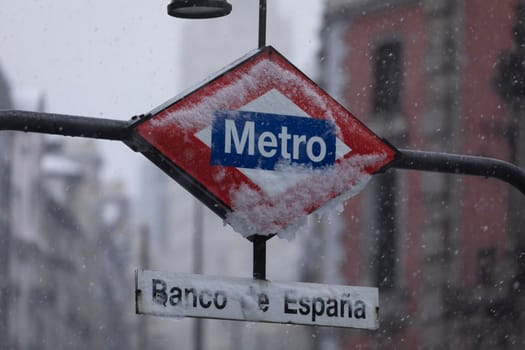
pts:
[110, 129]
[461, 164]
[62, 124]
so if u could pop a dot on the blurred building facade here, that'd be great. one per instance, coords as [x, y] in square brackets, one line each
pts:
[66, 245]
[445, 251]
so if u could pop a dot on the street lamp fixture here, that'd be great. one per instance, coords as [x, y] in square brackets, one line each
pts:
[201, 9]
[195, 9]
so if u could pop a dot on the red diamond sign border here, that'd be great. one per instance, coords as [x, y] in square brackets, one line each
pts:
[171, 137]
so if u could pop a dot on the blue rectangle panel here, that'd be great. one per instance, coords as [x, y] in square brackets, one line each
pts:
[261, 140]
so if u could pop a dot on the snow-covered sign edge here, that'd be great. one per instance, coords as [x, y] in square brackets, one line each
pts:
[236, 215]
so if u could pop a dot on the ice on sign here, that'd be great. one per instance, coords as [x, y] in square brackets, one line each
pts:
[261, 140]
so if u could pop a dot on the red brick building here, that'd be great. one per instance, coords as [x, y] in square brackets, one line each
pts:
[443, 249]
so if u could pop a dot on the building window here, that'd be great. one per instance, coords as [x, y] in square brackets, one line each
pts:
[386, 221]
[388, 78]
[486, 266]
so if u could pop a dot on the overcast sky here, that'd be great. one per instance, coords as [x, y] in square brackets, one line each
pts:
[116, 59]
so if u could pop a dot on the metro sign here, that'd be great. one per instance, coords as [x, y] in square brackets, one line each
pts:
[261, 144]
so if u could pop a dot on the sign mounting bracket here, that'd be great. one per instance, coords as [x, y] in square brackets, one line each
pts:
[259, 255]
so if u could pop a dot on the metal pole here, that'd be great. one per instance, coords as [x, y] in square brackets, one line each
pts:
[62, 124]
[262, 23]
[461, 164]
[259, 256]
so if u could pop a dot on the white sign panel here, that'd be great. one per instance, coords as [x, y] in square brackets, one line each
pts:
[243, 299]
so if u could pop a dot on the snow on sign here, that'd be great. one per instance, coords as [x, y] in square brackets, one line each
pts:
[243, 299]
[261, 144]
